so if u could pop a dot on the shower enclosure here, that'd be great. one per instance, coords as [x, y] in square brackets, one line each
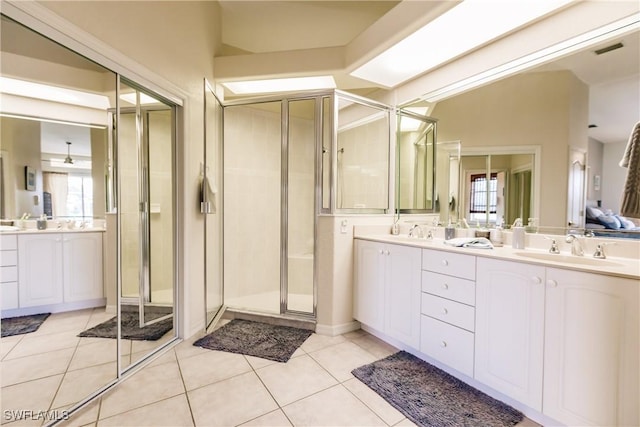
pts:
[287, 159]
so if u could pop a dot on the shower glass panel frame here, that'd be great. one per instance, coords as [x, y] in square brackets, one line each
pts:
[360, 156]
[299, 119]
[367, 125]
[145, 148]
[211, 176]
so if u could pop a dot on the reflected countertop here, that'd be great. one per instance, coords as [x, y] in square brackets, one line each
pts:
[18, 231]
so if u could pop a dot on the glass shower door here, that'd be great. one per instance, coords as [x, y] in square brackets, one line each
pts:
[252, 206]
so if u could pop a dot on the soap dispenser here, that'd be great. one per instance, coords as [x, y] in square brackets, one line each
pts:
[517, 237]
[449, 231]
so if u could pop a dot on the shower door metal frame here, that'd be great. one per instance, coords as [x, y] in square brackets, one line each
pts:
[284, 100]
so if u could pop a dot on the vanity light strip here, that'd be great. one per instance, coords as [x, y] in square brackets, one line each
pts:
[43, 119]
[556, 51]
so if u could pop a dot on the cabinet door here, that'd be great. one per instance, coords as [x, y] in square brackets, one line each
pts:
[510, 328]
[591, 349]
[368, 292]
[402, 293]
[39, 269]
[82, 266]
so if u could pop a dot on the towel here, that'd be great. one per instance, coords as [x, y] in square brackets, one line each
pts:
[630, 205]
[470, 242]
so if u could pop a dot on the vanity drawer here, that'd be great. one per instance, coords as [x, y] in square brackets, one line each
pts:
[8, 258]
[9, 274]
[9, 294]
[453, 288]
[452, 312]
[8, 242]
[452, 264]
[447, 344]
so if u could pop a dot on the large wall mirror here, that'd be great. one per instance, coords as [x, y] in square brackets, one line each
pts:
[87, 164]
[552, 108]
[416, 162]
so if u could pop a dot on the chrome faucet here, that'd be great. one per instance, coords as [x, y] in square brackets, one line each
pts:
[576, 246]
[419, 233]
[554, 247]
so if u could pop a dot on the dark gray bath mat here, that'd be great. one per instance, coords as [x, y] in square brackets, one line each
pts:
[255, 339]
[22, 325]
[130, 325]
[428, 396]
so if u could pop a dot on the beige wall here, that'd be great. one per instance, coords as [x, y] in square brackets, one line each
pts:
[177, 41]
[20, 140]
[546, 109]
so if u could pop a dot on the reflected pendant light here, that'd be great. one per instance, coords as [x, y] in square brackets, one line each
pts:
[68, 160]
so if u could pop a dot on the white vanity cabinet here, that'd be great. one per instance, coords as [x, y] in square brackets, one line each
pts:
[55, 269]
[447, 307]
[387, 289]
[509, 334]
[591, 361]
[82, 255]
[40, 269]
[9, 271]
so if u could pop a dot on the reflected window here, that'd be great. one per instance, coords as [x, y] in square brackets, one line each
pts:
[483, 198]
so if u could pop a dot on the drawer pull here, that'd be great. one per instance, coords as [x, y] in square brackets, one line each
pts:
[381, 252]
[536, 280]
[552, 283]
[388, 252]
[445, 286]
[445, 262]
[444, 310]
[443, 344]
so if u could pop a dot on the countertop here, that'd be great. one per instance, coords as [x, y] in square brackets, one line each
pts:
[612, 266]
[53, 230]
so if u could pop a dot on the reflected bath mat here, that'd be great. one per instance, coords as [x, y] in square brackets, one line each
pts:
[428, 396]
[257, 339]
[22, 324]
[130, 329]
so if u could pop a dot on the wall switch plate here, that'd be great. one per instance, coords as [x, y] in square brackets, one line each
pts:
[343, 226]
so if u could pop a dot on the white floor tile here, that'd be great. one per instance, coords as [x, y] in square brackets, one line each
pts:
[30, 368]
[171, 412]
[149, 385]
[211, 367]
[231, 402]
[341, 359]
[272, 419]
[333, 407]
[298, 378]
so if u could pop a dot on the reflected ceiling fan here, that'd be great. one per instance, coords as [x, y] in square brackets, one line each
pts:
[68, 160]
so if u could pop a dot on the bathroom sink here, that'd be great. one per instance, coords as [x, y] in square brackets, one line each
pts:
[9, 228]
[568, 259]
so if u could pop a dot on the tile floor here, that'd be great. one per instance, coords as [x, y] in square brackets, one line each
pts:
[191, 386]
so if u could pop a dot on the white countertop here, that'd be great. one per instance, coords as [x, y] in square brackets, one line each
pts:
[53, 230]
[612, 266]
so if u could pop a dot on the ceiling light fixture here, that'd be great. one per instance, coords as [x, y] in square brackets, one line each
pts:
[280, 85]
[44, 119]
[144, 98]
[615, 29]
[68, 160]
[53, 93]
[465, 27]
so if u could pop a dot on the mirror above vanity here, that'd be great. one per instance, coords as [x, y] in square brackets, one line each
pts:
[582, 103]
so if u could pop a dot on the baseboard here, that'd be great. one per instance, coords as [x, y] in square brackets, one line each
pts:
[334, 330]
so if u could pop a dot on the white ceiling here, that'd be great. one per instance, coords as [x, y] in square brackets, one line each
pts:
[275, 26]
